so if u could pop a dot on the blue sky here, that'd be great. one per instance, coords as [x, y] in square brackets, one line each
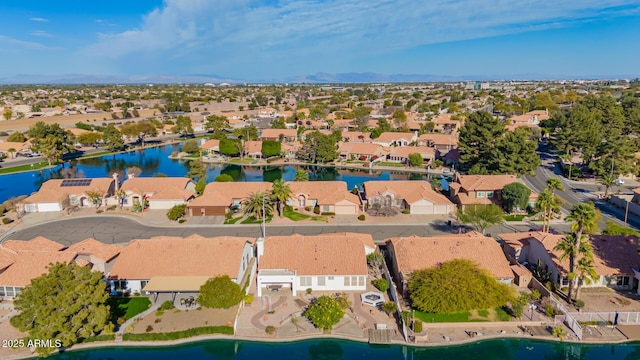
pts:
[275, 39]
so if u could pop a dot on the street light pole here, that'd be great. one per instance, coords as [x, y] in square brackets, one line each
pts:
[626, 213]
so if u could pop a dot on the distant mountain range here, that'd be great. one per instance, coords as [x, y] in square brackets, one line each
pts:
[317, 78]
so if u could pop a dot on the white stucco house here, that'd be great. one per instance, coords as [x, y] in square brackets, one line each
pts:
[327, 262]
[58, 194]
[160, 193]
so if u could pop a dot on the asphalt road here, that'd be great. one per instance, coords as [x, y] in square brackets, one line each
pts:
[576, 192]
[113, 230]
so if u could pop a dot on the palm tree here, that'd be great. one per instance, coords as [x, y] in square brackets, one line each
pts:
[301, 175]
[548, 204]
[607, 180]
[11, 151]
[253, 205]
[586, 272]
[585, 219]
[554, 184]
[280, 193]
[569, 248]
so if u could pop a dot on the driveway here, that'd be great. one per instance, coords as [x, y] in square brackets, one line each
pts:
[113, 230]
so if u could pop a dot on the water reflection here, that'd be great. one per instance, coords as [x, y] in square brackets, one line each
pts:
[326, 350]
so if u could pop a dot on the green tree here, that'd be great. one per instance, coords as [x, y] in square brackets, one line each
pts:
[548, 204]
[280, 193]
[7, 114]
[201, 185]
[230, 147]
[360, 115]
[220, 292]
[256, 204]
[12, 152]
[190, 147]
[217, 123]
[89, 139]
[16, 137]
[223, 178]
[455, 286]
[516, 153]
[177, 212]
[183, 125]
[554, 184]
[301, 175]
[515, 195]
[415, 159]
[584, 218]
[246, 133]
[324, 313]
[478, 143]
[389, 307]
[68, 303]
[112, 138]
[197, 169]
[612, 228]
[95, 197]
[586, 273]
[481, 216]
[51, 141]
[271, 148]
[607, 180]
[278, 123]
[318, 147]
[146, 129]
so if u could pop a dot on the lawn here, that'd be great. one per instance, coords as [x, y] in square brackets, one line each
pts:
[296, 216]
[127, 307]
[27, 167]
[515, 217]
[101, 153]
[253, 220]
[387, 163]
[497, 314]
[233, 220]
[241, 161]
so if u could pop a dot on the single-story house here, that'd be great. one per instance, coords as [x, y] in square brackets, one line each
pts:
[416, 195]
[168, 264]
[396, 139]
[284, 135]
[442, 142]
[409, 254]
[59, 194]
[400, 154]
[615, 257]
[481, 189]
[444, 124]
[22, 261]
[211, 146]
[161, 193]
[327, 262]
[219, 196]
[361, 151]
[253, 149]
[330, 196]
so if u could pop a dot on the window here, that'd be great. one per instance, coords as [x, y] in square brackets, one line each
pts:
[321, 281]
[305, 281]
[347, 281]
[9, 291]
[18, 290]
[361, 281]
[622, 281]
[2, 293]
[326, 208]
[330, 277]
[143, 283]
[490, 194]
[354, 281]
[480, 194]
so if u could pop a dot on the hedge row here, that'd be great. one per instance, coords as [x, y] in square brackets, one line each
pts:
[228, 330]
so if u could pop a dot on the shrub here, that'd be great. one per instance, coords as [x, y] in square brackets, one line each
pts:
[6, 221]
[361, 217]
[389, 307]
[406, 211]
[248, 299]
[328, 213]
[157, 321]
[316, 210]
[309, 290]
[190, 147]
[535, 294]
[99, 211]
[177, 212]
[111, 208]
[549, 310]
[417, 326]
[228, 215]
[3, 133]
[149, 328]
[167, 305]
[121, 320]
[220, 293]
[307, 208]
[579, 304]
[180, 334]
[381, 284]
[159, 313]
[223, 178]
[182, 221]
[270, 330]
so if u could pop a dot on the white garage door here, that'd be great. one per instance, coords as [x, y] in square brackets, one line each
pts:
[163, 204]
[48, 207]
[346, 209]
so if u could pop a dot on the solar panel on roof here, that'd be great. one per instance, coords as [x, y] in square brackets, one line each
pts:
[75, 182]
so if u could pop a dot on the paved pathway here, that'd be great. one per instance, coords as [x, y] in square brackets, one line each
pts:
[364, 317]
[123, 327]
[256, 319]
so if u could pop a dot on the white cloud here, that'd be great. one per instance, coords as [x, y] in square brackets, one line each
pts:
[42, 33]
[21, 44]
[289, 30]
[99, 20]
[39, 19]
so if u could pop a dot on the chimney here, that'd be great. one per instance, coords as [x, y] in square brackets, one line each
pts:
[130, 176]
[115, 177]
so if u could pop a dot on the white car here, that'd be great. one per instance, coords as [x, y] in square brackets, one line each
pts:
[619, 182]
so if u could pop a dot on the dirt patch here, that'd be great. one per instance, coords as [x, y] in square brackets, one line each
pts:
[8, 332]
[175, 320]
[484, 315]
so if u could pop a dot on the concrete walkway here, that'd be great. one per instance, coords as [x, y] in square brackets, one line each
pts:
[256, 319]
[123, 328]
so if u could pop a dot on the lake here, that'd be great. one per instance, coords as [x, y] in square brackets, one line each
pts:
[156, 160]
[501, 349]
